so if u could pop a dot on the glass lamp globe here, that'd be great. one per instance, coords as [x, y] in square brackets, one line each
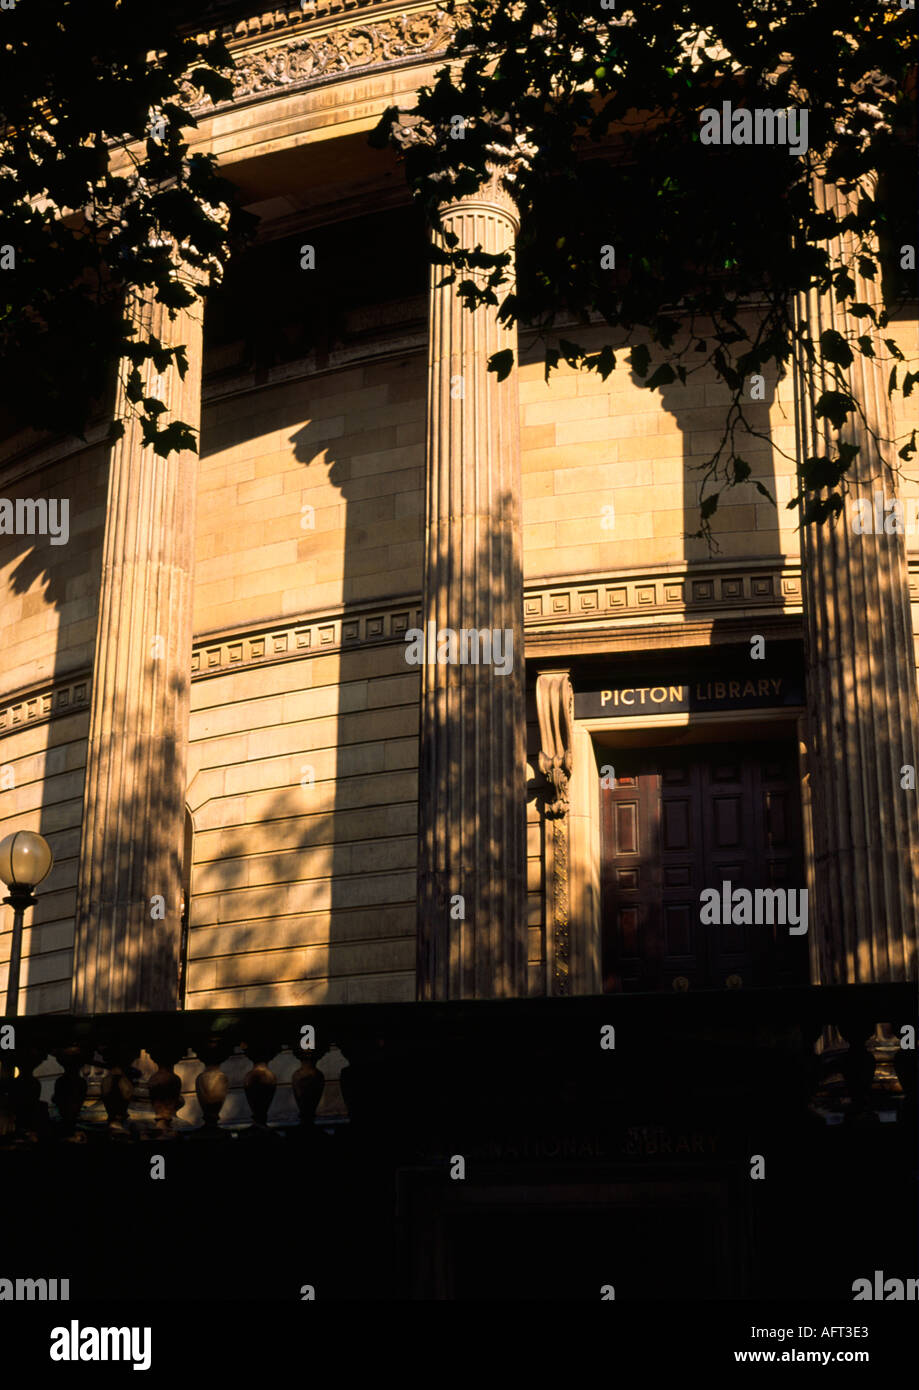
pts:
[25, 859]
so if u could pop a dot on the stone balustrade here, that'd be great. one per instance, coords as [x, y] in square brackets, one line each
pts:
[424, 1069]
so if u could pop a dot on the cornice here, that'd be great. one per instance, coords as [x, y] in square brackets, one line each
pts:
[49, 700]
[261, 646]
[240, 24]
[654, 608]
[630, 612]
[635, 597]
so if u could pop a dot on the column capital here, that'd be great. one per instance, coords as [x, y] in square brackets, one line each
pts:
[492, 196]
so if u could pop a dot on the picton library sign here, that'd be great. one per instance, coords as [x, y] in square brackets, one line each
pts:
[692, 692]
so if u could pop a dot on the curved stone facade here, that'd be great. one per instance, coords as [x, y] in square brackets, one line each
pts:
[294, 716]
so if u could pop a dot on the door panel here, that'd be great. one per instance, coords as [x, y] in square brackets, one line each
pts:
[626, 829]
[680, 820]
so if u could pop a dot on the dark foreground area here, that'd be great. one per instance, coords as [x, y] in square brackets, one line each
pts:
[491, 1151]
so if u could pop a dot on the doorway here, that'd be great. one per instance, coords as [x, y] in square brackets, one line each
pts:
[682, 819]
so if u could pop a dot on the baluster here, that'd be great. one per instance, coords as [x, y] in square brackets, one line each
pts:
[211, 1087]
[307, 1084]
[165, 1088]
[23, 1114]
[32, 1119]
[260, 1085]
[332, 1063]
[118, 1087]
[70, 1091]
[884, 1047]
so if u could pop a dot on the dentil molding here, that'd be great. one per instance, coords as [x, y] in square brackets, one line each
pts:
[566, 605]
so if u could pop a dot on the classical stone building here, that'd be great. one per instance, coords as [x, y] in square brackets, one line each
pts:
[206, 696]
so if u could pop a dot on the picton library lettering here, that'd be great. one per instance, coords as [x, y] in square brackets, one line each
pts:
[678, 694]
[691, 695]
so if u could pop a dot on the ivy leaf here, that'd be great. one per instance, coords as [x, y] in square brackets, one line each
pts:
[606, 361]
[662, 376]
[834, 406]
[818, 509]
[552, 360]
[639, 359]
[821, 472]
[501, 363]
[175, 438]
[134, 387]
[835, 348]
[570, 351]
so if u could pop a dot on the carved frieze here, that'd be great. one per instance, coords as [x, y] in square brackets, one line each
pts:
[312, 57]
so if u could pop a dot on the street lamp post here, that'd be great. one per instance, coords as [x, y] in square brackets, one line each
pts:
[25, 859]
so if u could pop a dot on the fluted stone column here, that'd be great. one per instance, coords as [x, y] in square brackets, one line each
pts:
[129, 896]
[862, 705]
[472, 833]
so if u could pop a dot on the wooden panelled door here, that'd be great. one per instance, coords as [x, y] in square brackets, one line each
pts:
[680, 820]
